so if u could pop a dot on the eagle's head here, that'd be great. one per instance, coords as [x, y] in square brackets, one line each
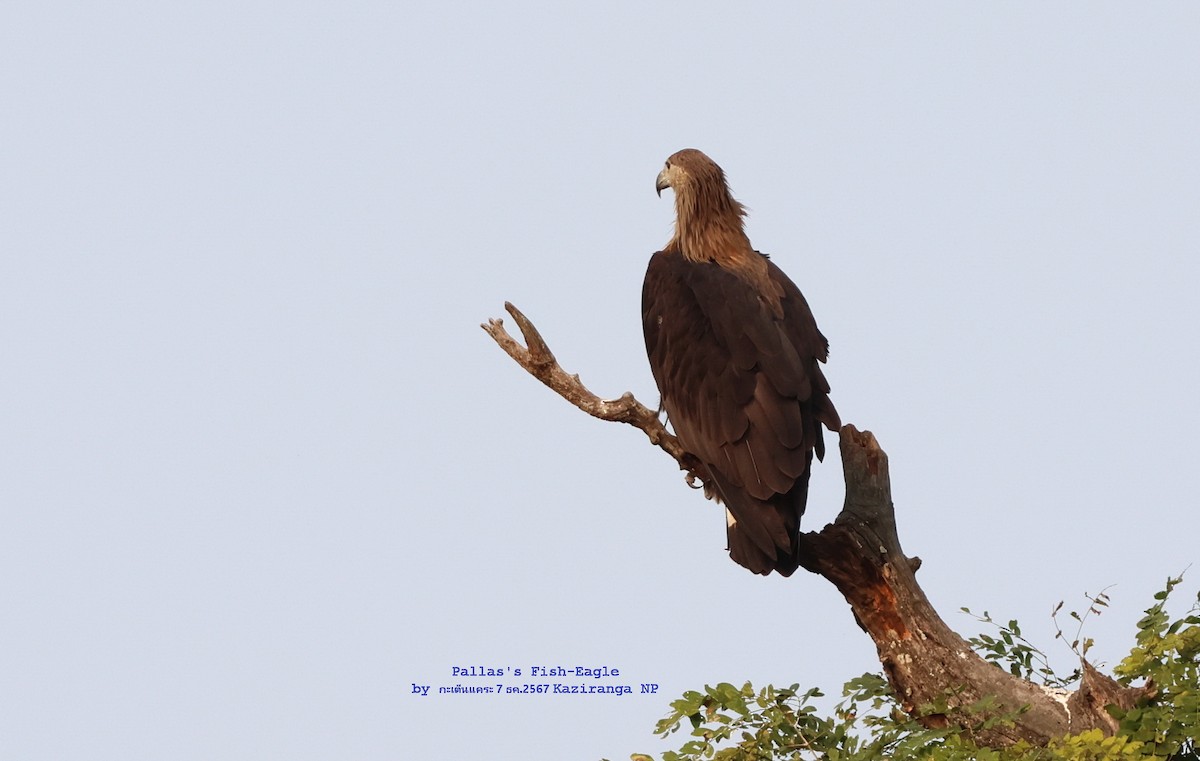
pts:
[708, 221]
[684, 169]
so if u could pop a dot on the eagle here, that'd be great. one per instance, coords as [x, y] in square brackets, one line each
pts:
[736, 354]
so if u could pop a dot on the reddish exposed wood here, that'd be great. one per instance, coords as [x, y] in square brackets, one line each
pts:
[860, 553]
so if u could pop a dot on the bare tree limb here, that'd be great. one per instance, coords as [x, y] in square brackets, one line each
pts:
[925, 661]
[539, 361]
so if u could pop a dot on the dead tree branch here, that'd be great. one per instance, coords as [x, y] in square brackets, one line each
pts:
[539, 361]
[924, 659]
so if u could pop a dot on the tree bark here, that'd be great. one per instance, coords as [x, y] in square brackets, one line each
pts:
[925, 661]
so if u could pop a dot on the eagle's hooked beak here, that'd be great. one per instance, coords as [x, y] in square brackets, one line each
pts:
[661, 182]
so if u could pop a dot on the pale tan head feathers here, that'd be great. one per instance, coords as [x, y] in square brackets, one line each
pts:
[708, 221]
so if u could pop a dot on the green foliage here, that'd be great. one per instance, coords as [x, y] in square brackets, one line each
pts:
[1021, 658]
[728, 723]
[732, 724]
[775, 723]
[1015, 654]
[1166, 655]
[1097, 604]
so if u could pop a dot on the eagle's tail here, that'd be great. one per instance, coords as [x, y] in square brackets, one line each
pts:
[764, 535]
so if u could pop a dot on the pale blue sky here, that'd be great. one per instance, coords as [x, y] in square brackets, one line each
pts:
[261, 471]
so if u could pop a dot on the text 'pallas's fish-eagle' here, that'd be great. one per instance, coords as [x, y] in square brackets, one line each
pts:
[735, 350]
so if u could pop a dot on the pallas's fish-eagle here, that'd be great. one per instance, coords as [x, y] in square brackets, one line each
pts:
[735, 350]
